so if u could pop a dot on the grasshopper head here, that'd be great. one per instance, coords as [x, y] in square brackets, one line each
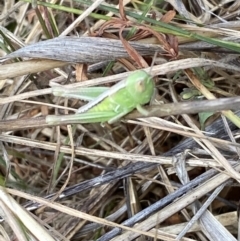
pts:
[141, 87]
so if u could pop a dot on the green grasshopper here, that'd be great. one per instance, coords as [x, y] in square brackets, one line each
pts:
[107, 104]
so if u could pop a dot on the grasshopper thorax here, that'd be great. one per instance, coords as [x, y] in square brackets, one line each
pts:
[140, 86]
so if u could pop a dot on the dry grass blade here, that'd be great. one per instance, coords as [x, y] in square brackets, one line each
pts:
[21, 220]
[176, 206]
[78, 214]
[80, 50]
[82, 17]
[225, 220]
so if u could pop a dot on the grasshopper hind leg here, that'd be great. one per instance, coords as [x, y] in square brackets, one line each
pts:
[120, 115]
[117, 117]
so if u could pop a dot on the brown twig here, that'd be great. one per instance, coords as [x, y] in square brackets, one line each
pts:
[191, 107]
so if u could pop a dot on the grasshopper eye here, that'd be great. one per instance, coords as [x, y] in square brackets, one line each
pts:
[140, 86]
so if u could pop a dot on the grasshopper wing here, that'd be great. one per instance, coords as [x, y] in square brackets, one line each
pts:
[101, 97]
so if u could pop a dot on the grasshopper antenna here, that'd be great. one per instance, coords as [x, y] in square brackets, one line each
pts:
[155, 90]
[153, 60]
